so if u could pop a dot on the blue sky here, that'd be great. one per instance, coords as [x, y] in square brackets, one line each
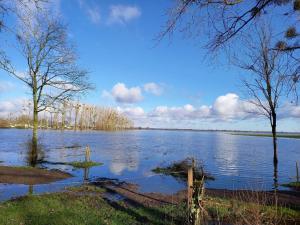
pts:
[165, 84]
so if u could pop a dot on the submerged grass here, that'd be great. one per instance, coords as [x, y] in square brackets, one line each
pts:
[295, 184]
[85, 189]
[297, 136]
[76, 164]
[84, 164]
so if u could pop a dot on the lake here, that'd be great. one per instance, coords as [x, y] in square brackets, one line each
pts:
[236, 162]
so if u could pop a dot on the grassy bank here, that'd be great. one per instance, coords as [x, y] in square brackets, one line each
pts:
[76, 164]
[296, 136]
[295, 185]
[89, 208]
[87, 205]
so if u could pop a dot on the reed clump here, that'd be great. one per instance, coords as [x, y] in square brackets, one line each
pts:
[179, 170]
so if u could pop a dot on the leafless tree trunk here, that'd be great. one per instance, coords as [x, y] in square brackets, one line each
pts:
[52, 74]
[269, 70]
[63, 114]
[77, 108]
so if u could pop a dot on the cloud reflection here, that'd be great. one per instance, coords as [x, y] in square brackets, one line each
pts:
[124, 157]
[227, 154]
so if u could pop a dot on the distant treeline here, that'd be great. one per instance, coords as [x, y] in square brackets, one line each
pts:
[72, 116]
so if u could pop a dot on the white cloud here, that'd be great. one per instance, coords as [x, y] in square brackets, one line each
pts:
[122, 14]
[290, 111]
[295, 111]
[106, 94]
[122, 94]
[230, 106]
[132, 112]
[6, 86]
[92, 11]
[15, 106]
[153, 88]
[226, 108]
[186, 112]
[81, 3]
[22, 74]
[94, 15]
[6, 106]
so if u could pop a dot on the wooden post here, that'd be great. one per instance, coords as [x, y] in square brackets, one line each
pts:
[87, 154]
[297, 172]
[190, 186]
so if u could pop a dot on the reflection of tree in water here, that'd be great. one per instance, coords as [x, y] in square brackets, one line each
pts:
[35, 153]
[275, 177]
[86, 175]
[34, 156]
[30, 189]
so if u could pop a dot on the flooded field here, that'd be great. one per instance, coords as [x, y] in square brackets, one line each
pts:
[235, 162]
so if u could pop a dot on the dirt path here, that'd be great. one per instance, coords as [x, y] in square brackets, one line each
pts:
[30, 176]
[130, 192]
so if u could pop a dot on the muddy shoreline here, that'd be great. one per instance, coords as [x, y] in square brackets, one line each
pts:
[30, 176]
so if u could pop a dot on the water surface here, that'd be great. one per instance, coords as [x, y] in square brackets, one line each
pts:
[236, 162]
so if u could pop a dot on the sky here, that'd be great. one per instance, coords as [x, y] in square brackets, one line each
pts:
[165, 84]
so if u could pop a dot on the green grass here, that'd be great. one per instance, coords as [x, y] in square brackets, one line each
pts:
[236, 211]
[85, 205]
[84, 164]
[76, 164]
[232, 208]
[76, 209]
[297, 136]
[85, 189]
[292, 184]
[21, 167]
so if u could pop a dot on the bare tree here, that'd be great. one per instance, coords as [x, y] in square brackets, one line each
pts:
[77, 108]
[226, 19]
[223, 23]
[267, 86]
[8, 8]
[52, 74]
[91, 117]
